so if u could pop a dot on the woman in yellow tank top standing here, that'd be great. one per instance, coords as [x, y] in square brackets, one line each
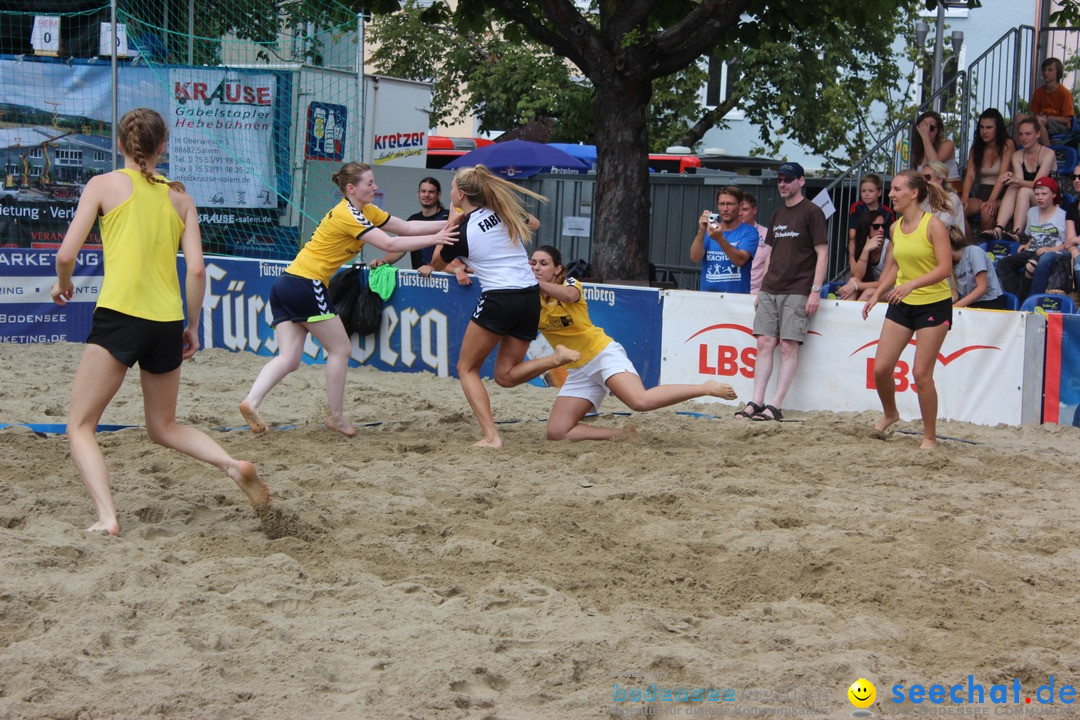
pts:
[139, 316]
[916, 286]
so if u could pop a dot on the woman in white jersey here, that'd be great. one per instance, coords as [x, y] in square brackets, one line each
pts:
[491, 240]
[602, 368]
[139, 316]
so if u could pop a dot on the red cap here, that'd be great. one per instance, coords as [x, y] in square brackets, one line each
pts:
[1050, 184]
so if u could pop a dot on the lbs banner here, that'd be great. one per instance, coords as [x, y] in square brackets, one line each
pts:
[422, 323]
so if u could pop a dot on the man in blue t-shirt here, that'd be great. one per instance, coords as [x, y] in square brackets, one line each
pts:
[724, 246]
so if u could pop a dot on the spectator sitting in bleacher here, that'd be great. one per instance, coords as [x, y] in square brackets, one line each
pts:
[929, 144]
[952, 211]
[1027, 271]
[1032, 162]
[990, 157]
[1051, 103]
[870, 189]
[866, 255]
[976, 284]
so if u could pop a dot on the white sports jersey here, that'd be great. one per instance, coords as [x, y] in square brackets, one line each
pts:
[484, 244]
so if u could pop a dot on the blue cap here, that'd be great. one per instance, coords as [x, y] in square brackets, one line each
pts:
[791, 170]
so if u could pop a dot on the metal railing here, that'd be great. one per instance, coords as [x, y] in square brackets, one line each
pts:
[1000, 78]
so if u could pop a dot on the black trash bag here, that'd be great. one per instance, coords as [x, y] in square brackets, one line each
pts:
[1061, 275]
[579, 268]
[358, 307]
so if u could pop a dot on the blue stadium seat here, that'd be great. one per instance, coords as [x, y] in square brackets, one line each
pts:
[1048, 303]
[829, 290]
[1011, 301]
[1067, 160]
[1000, 248]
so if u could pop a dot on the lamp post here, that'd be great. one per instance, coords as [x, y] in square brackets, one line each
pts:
[922, 30]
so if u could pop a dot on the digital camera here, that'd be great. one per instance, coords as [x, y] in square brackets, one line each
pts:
[714, 218]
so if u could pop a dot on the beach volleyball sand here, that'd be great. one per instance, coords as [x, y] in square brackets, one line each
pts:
[403, 574]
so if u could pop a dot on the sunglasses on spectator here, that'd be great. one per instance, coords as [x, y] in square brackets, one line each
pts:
[932, 126]
[1073, 177]
[928, 178]
[878, 226]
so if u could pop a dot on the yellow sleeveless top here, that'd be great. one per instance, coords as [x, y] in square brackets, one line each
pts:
[914, 255]
[140, 237]
[569, 324]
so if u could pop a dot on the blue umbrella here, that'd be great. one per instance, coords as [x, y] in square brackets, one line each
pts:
[520, 159]
[584, 153]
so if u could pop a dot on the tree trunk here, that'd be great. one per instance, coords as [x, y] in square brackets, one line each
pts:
[620, 218]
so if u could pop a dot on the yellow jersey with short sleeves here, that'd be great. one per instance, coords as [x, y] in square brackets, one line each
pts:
[914, 255]
[140, 237]
[336, 240]
[569, 324]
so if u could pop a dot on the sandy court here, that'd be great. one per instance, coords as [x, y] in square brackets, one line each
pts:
[401, 574]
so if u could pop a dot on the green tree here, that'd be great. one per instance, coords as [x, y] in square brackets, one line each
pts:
[626, 47]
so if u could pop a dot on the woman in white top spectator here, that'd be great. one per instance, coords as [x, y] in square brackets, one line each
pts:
[953, 213]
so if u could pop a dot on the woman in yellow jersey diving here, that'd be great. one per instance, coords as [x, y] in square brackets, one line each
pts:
[603, 367]
[915, 283]
[300, 300]
[139, 316]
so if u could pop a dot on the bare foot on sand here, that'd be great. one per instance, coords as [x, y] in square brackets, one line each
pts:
[494, 444]
[628, 434]
[104, 528]
[720, 390]
[339, 423]
[565, 356]
[251, 417]
[928, 444]
[885, 422]
[243, 474]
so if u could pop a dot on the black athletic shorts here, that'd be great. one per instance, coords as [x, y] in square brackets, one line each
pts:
[299, 299]
[510, 312]
[157, 346]
[917, 317]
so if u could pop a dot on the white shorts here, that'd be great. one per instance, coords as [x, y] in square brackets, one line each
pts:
[589, 382]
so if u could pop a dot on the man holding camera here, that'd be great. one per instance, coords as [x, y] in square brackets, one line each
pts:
[724, 246]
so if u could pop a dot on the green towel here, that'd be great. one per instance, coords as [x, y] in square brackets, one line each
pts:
[382, 280]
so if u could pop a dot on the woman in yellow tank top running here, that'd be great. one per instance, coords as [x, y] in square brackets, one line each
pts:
[916, 286]
[139, 316]
[603, 367]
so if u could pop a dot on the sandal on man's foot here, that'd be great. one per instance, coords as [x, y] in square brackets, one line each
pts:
[774, 414]
[748, 412]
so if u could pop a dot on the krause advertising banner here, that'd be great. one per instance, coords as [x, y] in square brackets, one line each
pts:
[221, 136]
[978, 374]
[422, 323]
[57, 129]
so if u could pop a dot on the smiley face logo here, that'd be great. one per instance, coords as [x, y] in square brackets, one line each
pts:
[862, 693]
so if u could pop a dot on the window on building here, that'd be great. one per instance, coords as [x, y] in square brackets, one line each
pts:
[68, 157]
[720, 85]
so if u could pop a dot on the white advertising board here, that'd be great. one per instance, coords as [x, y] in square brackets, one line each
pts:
[221, 133]
[709, 336]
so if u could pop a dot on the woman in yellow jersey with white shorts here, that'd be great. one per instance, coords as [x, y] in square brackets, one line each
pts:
[915, 282]
[300, 298]
[603, 367]
[139, 316]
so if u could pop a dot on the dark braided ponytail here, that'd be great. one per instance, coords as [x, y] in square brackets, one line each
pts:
[142, 132]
